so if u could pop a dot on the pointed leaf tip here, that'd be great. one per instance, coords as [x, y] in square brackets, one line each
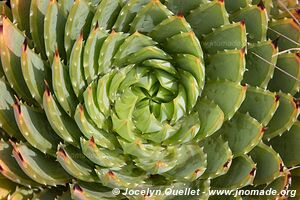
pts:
[277, 97]
[77, 188]
[25, 45]
[62, 152]
[243, 22]
[17, 105]
[47, 89]
[56, 53]
[97, 25]
[253, 171]
[92, 140]
[275, 42]
[297, 102]
[261, 5]
[243, 51]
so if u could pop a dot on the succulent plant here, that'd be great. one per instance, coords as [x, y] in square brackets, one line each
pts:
[102, 94]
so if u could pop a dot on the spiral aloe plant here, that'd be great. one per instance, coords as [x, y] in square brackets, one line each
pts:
[103, 94]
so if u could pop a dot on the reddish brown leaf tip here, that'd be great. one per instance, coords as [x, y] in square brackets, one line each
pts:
[81, 35]
[226, 165]
[281, 167]
[275, 42]
[17, 105]
[56, 53]
[180, 14]
[77, 188]
[222, 1]
[264, 129]
[92, 141]
[47, 89]
[111, 173]
[243, 50]
[277, 97]
[261, 5]
[62, 151]
[297, 102]
[1, 28]
[25, 45]
[97, 25]
[81, 108]
[252, 173]
[20, 156]
[243, 22]
[298, 54]
[1, 169]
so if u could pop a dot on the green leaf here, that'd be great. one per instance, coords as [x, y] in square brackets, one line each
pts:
[38, 11]
[132, 44]
[219, 157]
[284, 117]
[11, 50]
[91, 191]
[215, 11]
[106, 14]
[54, 29]
[256, 20]
[35, 128]
[287, 145]
[62, 86]
[190, 125]
[7, 119]
[226, 65]
[258, 71]
[21, 11]
[101, 156]
[91, 53]
[10, 168]
[75, 163]
[42, 169]
[289, 29]
[89, 129]
[290, 63]
[128, 177]
[189, 167]
[241, 173]
[242, 132]
[171, 26]
[268, 164]
[155, 11]
[127, 14]
[231, 36]
[235, 5]
[79, 20]
[227, 95]
[211, 117]
[90, 102]
[108, 50]
[76, 71]
[64, 126]
[193, 65]
[35, 71]
[260, 104]
[192, 89]
[183, 7]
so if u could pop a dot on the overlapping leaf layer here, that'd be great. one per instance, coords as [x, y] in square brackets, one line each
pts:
[101, 94]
